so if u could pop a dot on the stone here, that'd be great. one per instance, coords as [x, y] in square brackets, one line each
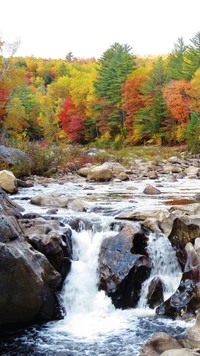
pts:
[159, 343]
[191, 171]
[155, 293]
[8, 181]
[28, 281]
[185, 302]
[83, 172]
[153, 175]
[121, 271]
[174, 159]
[100, 173]
[59, 202]
[182, 352]
[52, 240]
[13, 155]
[151, 190]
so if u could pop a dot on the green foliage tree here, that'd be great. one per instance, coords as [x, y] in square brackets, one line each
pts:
[114, 67]
[175, 60]
[193, 134]
[192, 57]
[151, 120]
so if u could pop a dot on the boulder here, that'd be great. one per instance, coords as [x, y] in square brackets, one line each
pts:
[59, 202]
[160, 343]
[13, 155]
[27, 282]
[100, 173]
[155, 293]
[185, 302]
[192, 171]
[151, 190]
[153, 175]
[8, 207]
[8, 181]
[185, 229]
[83, 172]
[52, 240]
[122, 272]
[182, 352]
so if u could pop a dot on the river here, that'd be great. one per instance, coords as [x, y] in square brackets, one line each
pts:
[92, 325]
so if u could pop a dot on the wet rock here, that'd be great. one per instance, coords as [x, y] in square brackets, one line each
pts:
[153, 175]
[155, 293]
[185, 301]
[160, 343]
[52, 240]
[151, 190]
[122, 272]
[28, 283]
[182, 352]
[185, 229]
[8, 181]
[192, 171]
[8, 206]
[59, 202]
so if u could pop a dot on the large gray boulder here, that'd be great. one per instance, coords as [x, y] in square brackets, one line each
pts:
[28, 281]
[159, 343]
[13, 155]
[27, 284]
[122, 271]
[52, 240]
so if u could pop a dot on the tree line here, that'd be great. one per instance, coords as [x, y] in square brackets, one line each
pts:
[118, 99]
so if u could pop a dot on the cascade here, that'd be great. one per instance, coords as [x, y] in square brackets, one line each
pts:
[164, 265]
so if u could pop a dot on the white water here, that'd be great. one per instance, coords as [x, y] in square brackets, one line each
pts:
[90, 312]
[165, 266]
[92, 326]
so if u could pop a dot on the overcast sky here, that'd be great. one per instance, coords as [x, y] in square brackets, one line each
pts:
[52, 28]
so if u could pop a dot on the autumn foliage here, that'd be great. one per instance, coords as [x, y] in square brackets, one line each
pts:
[71, 120]
[118, 99]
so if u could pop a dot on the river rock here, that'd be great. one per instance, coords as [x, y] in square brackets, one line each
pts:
[122, 272]
[153, 175]
[100, 173]
[59, 202]
[155, 293]
[52, 240]
[151, 190]
[186, 300]
[185, 229]
[8, 181]
[192, 171]
[160, 343]
[182, 352]
[27, 283]
[8, 206]
[83, 172]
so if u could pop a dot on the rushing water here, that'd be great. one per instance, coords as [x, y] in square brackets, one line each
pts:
[92, 325]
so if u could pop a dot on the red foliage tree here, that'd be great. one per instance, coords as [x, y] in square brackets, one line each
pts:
[71, 120]
[4, 97]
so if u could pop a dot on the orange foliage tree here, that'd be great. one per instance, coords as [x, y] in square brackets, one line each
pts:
[133, 100]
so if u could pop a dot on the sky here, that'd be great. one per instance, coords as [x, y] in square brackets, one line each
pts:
[87, 28]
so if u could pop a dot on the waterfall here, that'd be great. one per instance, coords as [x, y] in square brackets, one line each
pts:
[88, 311]
[164, 265]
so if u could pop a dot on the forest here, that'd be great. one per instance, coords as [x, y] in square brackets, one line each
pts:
[118, 99]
